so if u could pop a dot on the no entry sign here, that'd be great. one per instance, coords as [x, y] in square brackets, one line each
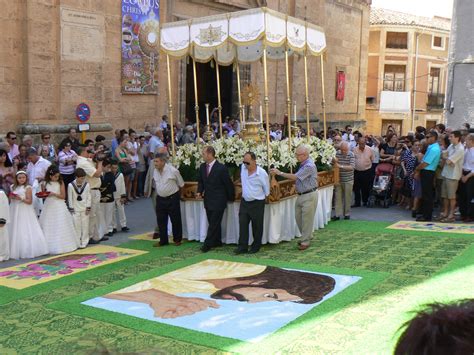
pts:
[83, 112]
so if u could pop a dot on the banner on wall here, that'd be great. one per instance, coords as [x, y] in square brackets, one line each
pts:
[140, 46]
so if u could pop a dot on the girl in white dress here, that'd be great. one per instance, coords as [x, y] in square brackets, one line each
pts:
[26, 237]
[4, 219]
[55, 219]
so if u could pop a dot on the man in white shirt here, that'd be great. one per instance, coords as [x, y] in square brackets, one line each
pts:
[168, 182]
[36, 171]
[93, 171]
[453, 160]
[156, 141]
[37, 167]
[255, 188]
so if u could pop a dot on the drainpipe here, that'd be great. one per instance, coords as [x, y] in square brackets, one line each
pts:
[414, 83]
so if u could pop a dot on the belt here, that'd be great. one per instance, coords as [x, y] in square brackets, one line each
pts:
[307, 192]
[252, 201]
[168, 197]
[96, 188]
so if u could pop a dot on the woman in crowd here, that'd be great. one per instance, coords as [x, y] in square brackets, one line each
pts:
[7, 171]
[67, 164]
[388, 150]
[133, 151]
[22, 157]
[125, 161]
[51, 150]
[44, 152]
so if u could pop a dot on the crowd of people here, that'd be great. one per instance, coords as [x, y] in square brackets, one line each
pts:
[79, 190]
[424, 169]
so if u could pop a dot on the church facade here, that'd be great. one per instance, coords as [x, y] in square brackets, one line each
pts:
[48, 66]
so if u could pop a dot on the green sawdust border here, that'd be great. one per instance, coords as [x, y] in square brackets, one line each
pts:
[8, 294]
[273, 342]
[381, 227]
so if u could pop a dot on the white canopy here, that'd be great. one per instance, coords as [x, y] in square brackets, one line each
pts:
[240, 35]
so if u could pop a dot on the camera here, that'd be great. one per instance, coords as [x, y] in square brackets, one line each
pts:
[100, 155]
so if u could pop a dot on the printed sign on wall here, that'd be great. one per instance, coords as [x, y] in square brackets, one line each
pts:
[140, 46]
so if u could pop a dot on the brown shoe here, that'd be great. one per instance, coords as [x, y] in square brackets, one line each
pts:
[177, 244]
[303, 247]
[156, 235]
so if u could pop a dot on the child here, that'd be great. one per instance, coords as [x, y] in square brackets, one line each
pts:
[4, 219]
[79, 202]
[120, 197]
[55, 218]
[26, 237]
[107, 189]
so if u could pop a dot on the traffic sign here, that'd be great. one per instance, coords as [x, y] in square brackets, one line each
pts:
[83, 112]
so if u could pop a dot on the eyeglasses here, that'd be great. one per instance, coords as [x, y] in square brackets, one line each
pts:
[246, 163]
[13, 138]
[46, 137]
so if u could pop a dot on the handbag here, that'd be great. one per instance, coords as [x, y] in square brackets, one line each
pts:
[125, 168]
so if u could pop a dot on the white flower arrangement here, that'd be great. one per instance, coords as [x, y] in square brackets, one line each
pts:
[230, 151]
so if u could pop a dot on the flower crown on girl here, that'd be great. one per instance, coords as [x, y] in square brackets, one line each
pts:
[21, 172]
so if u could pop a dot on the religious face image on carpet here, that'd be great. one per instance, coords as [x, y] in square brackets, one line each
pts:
[230, 299]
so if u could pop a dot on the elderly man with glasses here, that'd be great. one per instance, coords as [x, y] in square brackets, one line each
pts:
[255, 188]
[306, 183]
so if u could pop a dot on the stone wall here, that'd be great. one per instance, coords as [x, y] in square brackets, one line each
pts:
[40, 88]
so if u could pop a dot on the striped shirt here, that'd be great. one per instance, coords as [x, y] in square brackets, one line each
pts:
[306, 177]
[346, 160]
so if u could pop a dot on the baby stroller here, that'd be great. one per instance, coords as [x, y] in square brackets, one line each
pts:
[382, 187]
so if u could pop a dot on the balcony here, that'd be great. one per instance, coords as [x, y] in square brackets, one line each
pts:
[435, 102]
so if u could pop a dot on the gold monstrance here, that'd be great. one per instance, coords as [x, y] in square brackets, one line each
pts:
[253, 126]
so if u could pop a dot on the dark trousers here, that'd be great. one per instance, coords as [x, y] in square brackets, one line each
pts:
[362, 185]
[465, 196]
[214, 234]
[169, 207]
[427, 193]
[252, 211]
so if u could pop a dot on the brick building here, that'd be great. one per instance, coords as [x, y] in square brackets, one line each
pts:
[40, 86]
[394, 63]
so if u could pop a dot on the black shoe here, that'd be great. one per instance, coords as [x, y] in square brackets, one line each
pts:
[92, 241]
[423, 219]
[104, 239]
[413, 214]
[156, 235]
[218, 245]
[114, 230]
[205, 248]
[335, 218]
[125, 229]
[347, 217]
[239, 251]
[254, 251]
[110, 234]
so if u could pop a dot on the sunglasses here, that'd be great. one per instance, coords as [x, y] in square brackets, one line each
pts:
[246, 163]
[46, 137]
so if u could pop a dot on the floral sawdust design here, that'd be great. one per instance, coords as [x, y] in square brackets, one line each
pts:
[63, 265]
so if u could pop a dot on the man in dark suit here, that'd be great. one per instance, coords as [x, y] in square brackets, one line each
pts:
[216, 187]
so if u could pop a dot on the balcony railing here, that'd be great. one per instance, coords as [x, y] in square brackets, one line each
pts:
[435, 102]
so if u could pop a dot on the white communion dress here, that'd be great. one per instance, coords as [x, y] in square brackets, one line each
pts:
[57, 223]
[26, 237]
[4, 219]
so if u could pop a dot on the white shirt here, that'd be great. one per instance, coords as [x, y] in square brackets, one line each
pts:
[89, 167]
[255, 186]
[456, 156]
[85, 201]
[168, 181]
[210, 165]
[37, 171]
[469, 159]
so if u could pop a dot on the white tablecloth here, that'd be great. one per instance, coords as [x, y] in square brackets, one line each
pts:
[279, 225]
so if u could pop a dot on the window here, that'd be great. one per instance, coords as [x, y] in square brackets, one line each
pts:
[434, 81]
[397, 40]
[437, 42]
[370, 100]
[394, 78]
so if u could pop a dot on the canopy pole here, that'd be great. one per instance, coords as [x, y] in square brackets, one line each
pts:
[196, 106]
[265, 100]
[323, 101]
[219, 107]
[241, 116]
[170, 106]
[306, 101]
[288, 102]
